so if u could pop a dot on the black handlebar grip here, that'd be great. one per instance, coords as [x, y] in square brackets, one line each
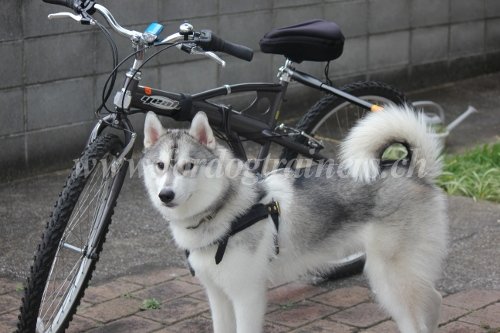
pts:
[236, 50]
[73, 4]
[210, 42]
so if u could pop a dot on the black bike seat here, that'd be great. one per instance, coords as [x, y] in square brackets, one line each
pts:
[315, 40]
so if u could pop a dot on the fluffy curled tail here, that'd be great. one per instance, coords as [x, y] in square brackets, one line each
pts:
[364, 145]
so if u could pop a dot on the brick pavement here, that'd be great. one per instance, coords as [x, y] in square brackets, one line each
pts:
[296, 307]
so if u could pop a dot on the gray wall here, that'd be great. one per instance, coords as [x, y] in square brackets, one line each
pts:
[52, 71]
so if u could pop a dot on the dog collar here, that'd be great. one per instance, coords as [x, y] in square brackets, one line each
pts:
[205, 219]
[257, 213]
[212, 211]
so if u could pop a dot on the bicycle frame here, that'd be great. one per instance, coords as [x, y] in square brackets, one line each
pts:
[183, 107]
[134, 98]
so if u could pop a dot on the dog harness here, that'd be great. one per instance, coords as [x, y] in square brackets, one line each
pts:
[257, 213]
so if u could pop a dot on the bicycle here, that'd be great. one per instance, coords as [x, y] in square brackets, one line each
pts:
[80, 220]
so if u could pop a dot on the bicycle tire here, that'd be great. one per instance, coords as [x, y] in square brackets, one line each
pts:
[40, 295]
[318, 115]
[349, 266]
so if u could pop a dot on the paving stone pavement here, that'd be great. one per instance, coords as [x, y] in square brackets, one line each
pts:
[298, 307]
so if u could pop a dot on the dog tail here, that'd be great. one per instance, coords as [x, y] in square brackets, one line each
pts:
[363, 147]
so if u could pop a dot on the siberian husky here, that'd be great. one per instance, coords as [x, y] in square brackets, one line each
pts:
[396, 215]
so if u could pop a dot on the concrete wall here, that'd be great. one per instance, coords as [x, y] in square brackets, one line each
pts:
[52, 72]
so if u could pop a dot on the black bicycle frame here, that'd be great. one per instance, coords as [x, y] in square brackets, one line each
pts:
[258, 128]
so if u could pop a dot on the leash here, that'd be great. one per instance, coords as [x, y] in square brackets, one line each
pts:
[257, 213]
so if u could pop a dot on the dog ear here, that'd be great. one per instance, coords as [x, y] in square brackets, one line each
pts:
[152, 129]
[201, 130]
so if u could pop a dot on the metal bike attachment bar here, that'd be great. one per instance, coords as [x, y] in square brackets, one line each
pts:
[313, 82]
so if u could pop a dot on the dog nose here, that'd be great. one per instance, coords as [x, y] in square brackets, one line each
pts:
[166, 195]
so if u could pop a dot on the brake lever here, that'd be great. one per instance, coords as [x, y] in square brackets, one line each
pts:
[191, 48]
[209, 54]
[78, 18]
[215, 58]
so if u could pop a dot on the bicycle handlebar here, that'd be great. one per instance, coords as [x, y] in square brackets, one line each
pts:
[78, 6]
[72, 4]
[208, 41]
[113, 23]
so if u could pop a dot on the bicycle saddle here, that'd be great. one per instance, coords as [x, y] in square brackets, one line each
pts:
[315, 40]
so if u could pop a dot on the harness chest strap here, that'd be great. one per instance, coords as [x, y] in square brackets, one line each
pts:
[257, 213]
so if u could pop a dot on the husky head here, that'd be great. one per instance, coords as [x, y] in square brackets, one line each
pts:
[182, 168]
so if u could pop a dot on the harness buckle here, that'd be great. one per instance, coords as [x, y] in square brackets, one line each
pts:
[274, 208]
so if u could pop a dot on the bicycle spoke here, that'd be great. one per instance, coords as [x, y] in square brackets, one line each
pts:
[328, 139]
[80, 205]
[74, 232]
[338, 122]
[98, 211]
[84, 203]
[62, 299]
[57, 291]
[75, 220]
[65, 273]
[77, 214]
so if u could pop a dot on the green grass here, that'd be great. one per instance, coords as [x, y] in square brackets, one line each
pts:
[394, 152]
[475, 173]
[150, 304]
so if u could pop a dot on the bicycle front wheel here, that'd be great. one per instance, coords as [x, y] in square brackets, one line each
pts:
[73, 238]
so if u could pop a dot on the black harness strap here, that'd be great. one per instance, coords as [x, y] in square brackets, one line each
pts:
[191, 269]
[257, 213]
[274, 211]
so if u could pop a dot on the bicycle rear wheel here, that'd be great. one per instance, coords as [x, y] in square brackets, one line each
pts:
[72, 240]
[329, 120]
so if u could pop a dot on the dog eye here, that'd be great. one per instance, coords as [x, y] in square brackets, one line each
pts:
[188, 166]
[160, 165]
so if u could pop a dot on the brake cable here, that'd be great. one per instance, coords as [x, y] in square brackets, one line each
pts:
[144, 63]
